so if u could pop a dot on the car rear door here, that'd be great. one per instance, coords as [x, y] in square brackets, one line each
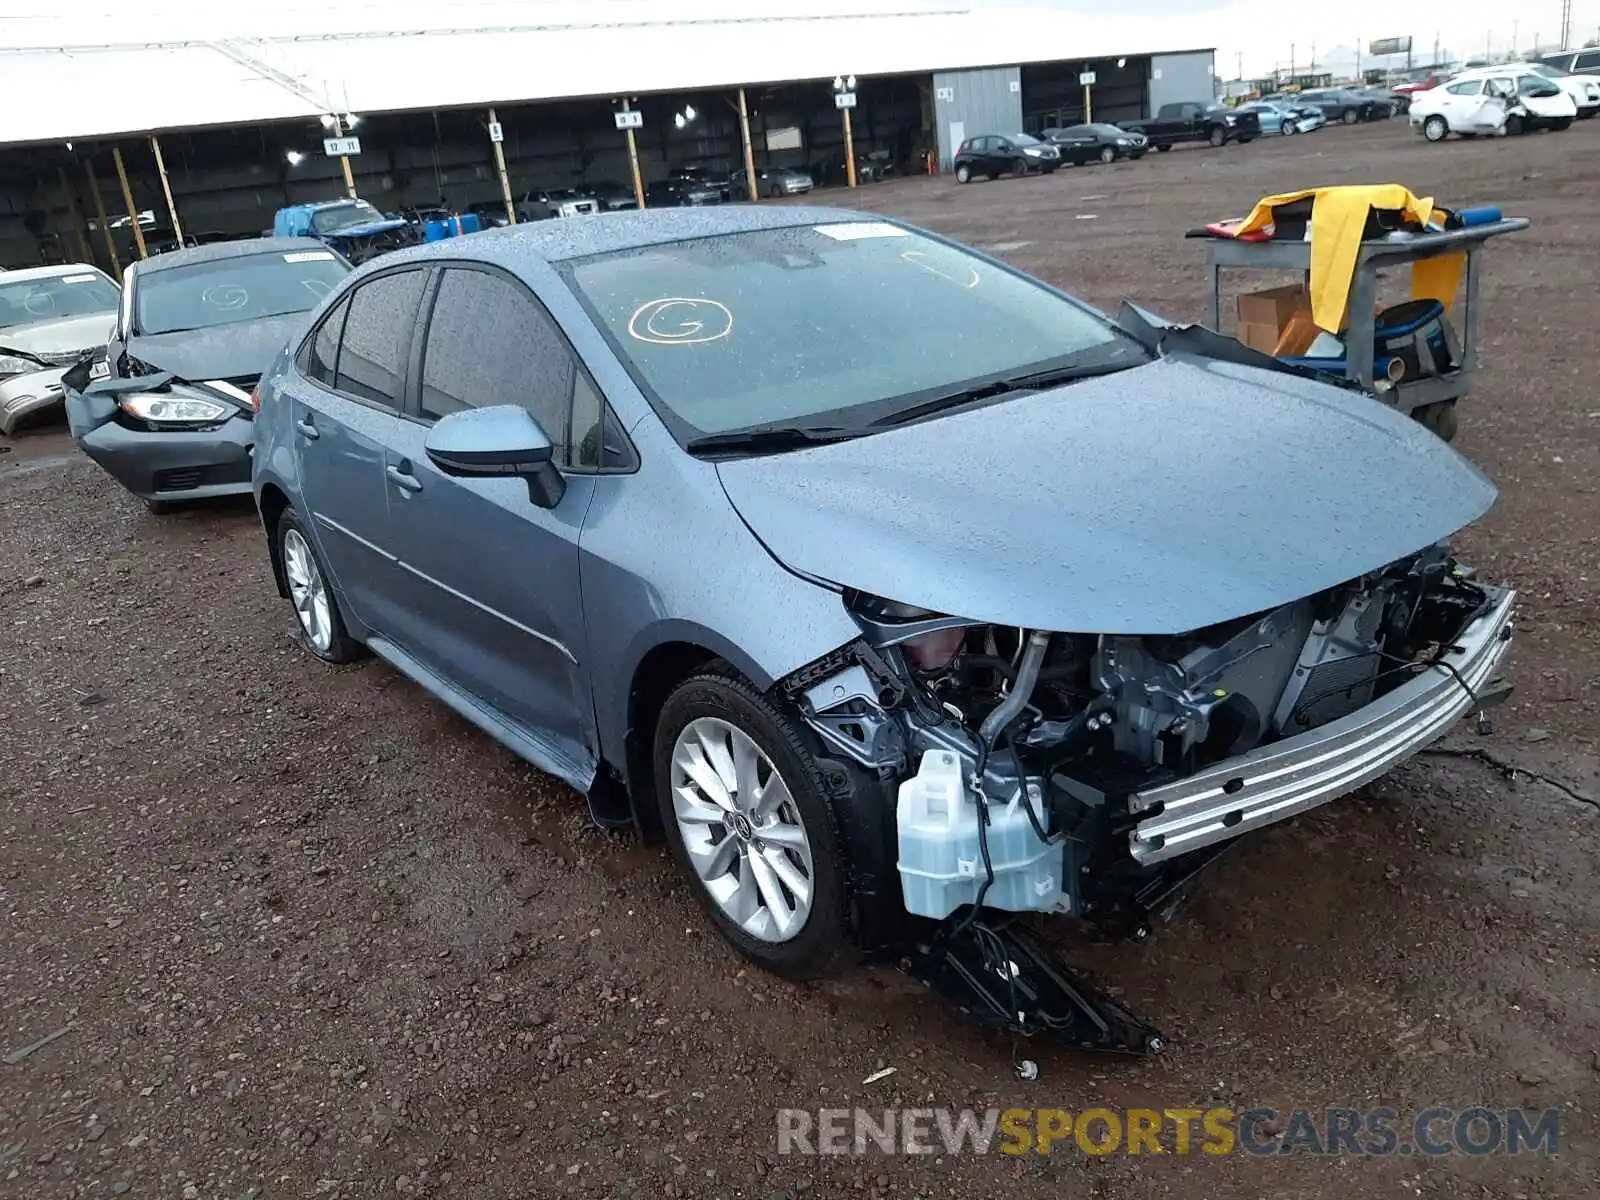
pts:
[488, 580]
[345, 399]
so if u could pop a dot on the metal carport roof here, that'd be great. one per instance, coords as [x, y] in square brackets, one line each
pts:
[145, 74]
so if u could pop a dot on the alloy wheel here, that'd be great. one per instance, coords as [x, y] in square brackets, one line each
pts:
[307, 591]
[742, 829]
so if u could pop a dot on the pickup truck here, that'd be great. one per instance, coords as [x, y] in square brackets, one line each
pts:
[1192, 121]
[352, 227]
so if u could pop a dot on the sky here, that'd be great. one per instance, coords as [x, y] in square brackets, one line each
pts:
[1242, 37]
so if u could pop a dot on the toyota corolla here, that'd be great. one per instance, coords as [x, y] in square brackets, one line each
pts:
[889, 583]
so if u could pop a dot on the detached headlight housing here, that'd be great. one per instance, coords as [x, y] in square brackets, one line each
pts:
[176, 410]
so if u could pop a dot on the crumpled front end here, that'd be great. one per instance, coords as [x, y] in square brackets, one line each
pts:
[1093, 775]
[30, 397]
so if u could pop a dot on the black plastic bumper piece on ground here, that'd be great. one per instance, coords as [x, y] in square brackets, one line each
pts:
[1004, 979]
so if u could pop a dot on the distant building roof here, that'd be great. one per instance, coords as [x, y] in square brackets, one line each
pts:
[147, 73]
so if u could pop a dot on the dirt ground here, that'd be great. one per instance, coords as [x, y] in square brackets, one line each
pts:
[308, 934]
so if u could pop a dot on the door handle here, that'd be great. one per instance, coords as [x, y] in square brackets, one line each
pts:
[305, 426]
[403, 480]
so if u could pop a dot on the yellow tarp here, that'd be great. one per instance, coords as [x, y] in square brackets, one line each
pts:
[1338, 220]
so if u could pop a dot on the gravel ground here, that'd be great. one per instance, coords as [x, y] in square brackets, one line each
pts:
[308, 934]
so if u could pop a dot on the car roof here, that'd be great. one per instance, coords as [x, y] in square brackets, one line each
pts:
[217, 251]
[55, 270]
[535, 242]
[1517, 68]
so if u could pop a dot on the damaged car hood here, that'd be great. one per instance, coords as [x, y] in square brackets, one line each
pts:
[221, 352]
[1157, 500]
[61, 337]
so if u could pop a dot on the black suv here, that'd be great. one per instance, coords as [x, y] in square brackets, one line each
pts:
[995, 154]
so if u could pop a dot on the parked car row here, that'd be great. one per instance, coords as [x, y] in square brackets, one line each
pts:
[556, 479]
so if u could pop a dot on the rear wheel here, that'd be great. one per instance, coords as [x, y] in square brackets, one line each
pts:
[1436, 128]
[316, 610]
[1561, 123]
[1163, 148]
[749, 814]
[1440, 418]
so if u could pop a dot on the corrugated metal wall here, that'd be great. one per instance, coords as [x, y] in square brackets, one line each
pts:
[969, 103]
[1175, 78]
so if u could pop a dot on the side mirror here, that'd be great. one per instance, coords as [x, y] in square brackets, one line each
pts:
[504, 439]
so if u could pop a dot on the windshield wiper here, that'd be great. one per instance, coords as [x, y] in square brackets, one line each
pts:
[13, 352]
[1032, 381]
[772, 439]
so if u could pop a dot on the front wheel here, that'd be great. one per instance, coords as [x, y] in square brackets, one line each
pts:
[1436, 129]
[1515, 126]
[1287, 129]
[1217, 136]
[963, 174]
[1350, 117]
[1019, 167]
[1107, 155]
[748, 813]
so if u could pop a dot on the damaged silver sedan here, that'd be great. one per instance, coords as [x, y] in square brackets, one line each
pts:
[904, 594]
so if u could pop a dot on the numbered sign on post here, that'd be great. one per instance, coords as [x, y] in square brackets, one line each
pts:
[341, 146]
[496, 134]
[631, 119]
[1086, 79]
[844, 99]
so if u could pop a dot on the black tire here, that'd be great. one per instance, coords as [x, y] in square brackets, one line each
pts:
[963, 173]
[1287, 129]
[1435, 128]
[342, 648]
[1515, 126]
[161, 508]
[1245, 141]
[1019, 167]
[1217, 136]
[1108, 155]
[1440, 418]
[774, 192]
[829, 940]
[1350, 116]
[1163, 148]
[1560, 124]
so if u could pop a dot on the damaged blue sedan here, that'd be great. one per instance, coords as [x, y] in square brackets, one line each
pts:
[900, 592]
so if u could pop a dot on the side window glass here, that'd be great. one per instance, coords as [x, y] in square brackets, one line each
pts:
[377, 337]
[321, 351]
[1586, 61]
[489, 342]
[588, 423]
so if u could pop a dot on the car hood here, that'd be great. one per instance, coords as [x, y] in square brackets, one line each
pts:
[60, 337]
[231, 352]
[1158, 500]
[369, 229]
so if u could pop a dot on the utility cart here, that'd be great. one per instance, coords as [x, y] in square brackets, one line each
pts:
[1429, 396]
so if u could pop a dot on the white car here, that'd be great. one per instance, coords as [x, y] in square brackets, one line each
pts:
[1509, 100]
[1584, 89]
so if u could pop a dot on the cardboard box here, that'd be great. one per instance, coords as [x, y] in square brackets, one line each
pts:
[1273, 306]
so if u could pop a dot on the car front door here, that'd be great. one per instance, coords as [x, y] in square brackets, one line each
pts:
[488, 579]
[345, 398]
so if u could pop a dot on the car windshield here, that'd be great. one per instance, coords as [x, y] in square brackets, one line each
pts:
[1107, 130]
[1023, 139]
[342, 216]
[53, 297]
[228, 290]
[1547, 71]
[855, 320]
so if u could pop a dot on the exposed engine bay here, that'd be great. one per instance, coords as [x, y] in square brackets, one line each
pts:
[1093, 775]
